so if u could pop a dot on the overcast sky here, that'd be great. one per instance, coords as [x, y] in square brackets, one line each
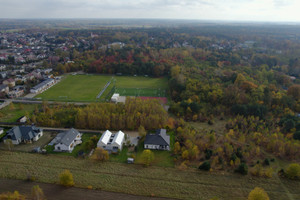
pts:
[240, 10]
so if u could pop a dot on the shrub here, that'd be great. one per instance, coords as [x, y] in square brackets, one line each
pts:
[37, 193]
[147, 157]
[293, 171]
[205, 166]
[66, 178]
[258, 194]
[100, 154]
[242, 168]
[266, 161]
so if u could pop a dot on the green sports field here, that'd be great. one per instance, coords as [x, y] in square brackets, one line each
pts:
[85, 88]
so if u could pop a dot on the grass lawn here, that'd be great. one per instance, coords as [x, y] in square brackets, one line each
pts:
[87, 87]
[139, 180]
[218, 126]
[12, 113]
[76, 88]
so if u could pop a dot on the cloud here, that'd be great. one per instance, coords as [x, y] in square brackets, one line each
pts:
[261, 10]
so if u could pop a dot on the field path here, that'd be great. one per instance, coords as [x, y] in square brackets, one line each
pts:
[57, 192]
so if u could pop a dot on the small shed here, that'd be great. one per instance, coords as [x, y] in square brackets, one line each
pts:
[130, 160]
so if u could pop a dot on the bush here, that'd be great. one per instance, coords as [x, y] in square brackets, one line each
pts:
[266, 161]
[147, 157]
[258, 194]
[242, 169]
[205, 166]
[100, 154]
[66, 178]
[293, 171]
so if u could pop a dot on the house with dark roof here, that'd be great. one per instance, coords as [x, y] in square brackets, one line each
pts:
[25, 134]
[66, 141]
[159, 141]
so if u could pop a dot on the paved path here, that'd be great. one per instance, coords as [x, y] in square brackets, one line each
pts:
[5, 103]
[25, 101]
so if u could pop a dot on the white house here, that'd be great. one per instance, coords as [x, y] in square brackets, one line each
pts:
[111, 142]
[1, 131]
[66, 141]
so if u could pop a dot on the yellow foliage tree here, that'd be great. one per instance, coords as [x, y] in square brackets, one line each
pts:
[14, 196]
[66, 178]
[258, 194]
[100, 154]
[293, 171]
[147, 157]
[37, 193]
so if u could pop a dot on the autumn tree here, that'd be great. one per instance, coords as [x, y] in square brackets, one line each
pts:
[293, 171]
[147, 157]
[100, 154]
[294, 91]
[12, 196]
[142, 131]
[66, 178]
[37, 193]
[258, 194]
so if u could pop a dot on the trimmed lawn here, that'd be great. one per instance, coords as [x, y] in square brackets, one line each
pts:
[141, 82]
[85, 88]
[76, 88]
[9, 114]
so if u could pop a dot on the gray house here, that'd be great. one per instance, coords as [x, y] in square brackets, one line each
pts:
[24, 134]
[66, 141]
[159, 141]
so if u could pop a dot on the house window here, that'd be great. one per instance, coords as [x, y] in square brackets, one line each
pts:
[58, 148]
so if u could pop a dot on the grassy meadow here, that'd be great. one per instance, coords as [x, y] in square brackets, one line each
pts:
[139, 180]
[14, 111]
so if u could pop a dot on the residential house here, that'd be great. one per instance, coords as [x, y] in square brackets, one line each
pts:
[16, 92]
[19, 134]
[22, 119]
[4, 89]
[111, 142]
[159, 141]
[66, 141]
[43, 86]
[10, 82]
[3, 74]
[1, 131]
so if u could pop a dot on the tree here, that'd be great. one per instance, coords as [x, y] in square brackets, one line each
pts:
[9, 144]
[147, 157]
[100, 154]
[293, 171]
[11, 106]
[37, 193]
[258, 194]
[294, 91]
[205, 166]
[177, 148]
[66, 178]
[142, 131]
[12, 196]
[242, 168]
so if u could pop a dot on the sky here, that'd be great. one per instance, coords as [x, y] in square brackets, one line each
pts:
[232, 10]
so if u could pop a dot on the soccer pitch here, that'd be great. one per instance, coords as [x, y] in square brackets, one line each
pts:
[85, 88]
